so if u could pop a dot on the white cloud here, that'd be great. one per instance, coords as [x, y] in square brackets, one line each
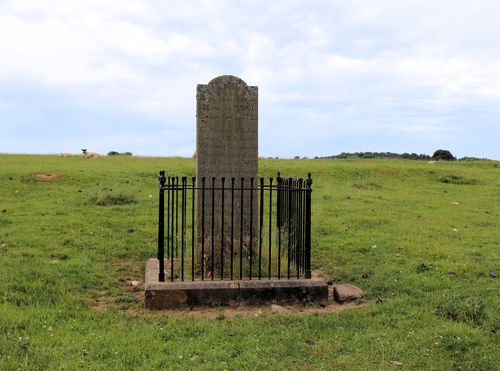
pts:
[392, 65]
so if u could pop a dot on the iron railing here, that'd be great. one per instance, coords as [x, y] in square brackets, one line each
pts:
[234, 229]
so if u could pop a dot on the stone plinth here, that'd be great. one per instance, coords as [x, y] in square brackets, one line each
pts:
[168, 295]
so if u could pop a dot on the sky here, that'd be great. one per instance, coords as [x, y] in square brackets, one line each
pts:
[333, 76]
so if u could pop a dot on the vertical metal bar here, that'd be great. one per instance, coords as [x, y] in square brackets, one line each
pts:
[172, 225]
[285, 202]
[289, 225]
[212, 273]
[294, 221]
[270, 224]
[161, 228]
[232, 225]
[296, 225]
[183, 225]
[261, 224]
[222, 236]
[279, 209]
[299, 228]
[193, 224]
[251, 225]
[202, 228]
[308, 227]
[168, 218]
[241, 228]
[278, 200]
[176, 216]
[303, 225]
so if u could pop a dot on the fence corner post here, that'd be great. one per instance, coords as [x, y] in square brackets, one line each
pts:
[308, 227]
[161, 239]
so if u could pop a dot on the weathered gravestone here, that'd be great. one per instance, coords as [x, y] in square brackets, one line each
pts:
[226, 146]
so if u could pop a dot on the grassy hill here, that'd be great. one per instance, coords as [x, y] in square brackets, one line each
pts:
[421, 240]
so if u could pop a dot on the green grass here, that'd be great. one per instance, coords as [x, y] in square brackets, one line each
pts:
[420, 240]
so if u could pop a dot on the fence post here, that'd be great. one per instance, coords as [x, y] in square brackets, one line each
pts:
[308, 227]
[279, 216]
[161, 229]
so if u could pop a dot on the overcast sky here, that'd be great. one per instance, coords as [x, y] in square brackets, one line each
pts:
[333, 76]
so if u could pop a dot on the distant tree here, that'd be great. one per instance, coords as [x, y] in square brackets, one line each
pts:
[127, 153]
[113, 153]
[443, 154]
[296, 157]
[369, 155]
[424, 157]
[467, 158]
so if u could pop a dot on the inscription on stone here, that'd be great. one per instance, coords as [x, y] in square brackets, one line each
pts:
[226, 146]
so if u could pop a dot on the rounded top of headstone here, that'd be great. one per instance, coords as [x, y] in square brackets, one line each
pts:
[227, 80]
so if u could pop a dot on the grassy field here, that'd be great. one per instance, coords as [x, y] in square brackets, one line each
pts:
[421, 240]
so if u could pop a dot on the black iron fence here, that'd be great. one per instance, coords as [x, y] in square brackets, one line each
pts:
[227, 229]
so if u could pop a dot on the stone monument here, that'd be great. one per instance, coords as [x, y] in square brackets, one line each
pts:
[226, 146]
[226, 216]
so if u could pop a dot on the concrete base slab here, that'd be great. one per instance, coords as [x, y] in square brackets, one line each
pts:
[168, 295]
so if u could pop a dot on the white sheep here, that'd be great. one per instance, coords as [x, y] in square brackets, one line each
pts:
[66, 154]
[432, 162]
[87, 154]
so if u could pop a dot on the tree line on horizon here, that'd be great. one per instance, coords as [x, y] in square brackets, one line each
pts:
[438, 155]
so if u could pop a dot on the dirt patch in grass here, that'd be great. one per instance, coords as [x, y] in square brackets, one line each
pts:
[222, 313]
[47, 176]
